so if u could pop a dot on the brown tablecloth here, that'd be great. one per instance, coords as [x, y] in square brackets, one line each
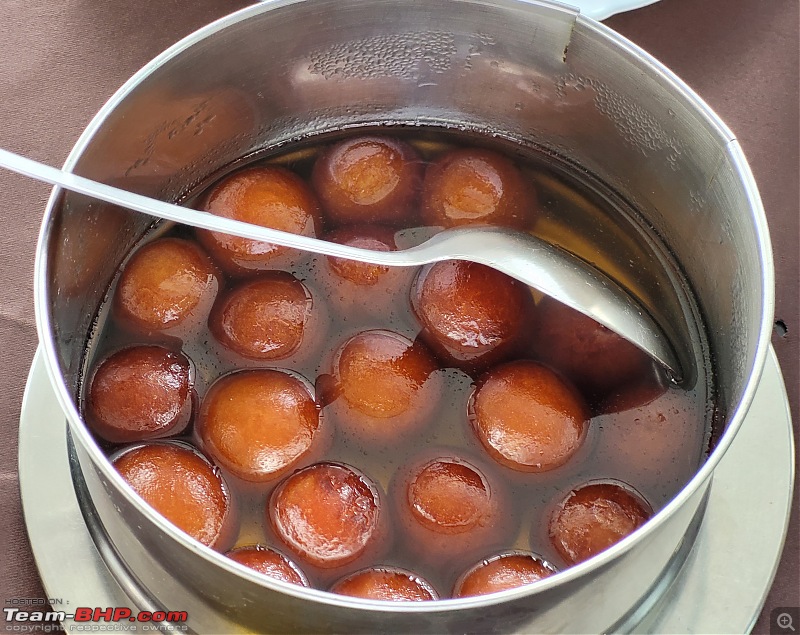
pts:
[60, 61]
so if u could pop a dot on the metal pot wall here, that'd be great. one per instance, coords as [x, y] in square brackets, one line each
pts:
[531, 72]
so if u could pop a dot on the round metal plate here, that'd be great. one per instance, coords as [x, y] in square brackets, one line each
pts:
[721, 588]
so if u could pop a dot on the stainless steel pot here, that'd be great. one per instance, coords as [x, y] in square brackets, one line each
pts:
[533, 72]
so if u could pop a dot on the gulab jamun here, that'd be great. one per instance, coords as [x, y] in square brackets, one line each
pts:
[181, 485]
[383, 386]
[472, 316]
[139, 393]
[473, 185]
[595, 516]
[358, 289]
[368, 180]
[270, 196]
[448, 404]
[385, 583]
[267, 318]
[166, 283]
[328, 514]
[258, 423]
[450, 510]
[527, 417]
[501, 572]
[269, 562]
[595, 358]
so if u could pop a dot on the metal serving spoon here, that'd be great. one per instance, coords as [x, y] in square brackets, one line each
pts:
[530, 260]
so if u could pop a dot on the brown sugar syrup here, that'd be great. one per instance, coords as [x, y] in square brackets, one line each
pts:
[576, 213]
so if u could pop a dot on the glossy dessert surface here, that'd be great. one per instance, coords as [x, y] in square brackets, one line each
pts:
[402, 434]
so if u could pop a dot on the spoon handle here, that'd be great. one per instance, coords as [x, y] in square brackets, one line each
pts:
[526, 258]
[197, 218]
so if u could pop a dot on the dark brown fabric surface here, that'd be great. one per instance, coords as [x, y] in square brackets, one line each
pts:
[59, 61]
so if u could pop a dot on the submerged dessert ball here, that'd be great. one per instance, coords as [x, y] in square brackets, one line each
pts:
[368, 180]
[384, 381]
[472, 316]
[385, 583]
[388, 433]
[596, 359]
[166, 283]
[476, 186]
[449, 496]
[502, 572]
[358, 289]
[328, 514]
[269, 196]
[362, 274]
[594, 517]
[263, 319]
[269, 562]
[182, 486]
[258, 423]
[528, 417]
[138, 393]
[449, 509]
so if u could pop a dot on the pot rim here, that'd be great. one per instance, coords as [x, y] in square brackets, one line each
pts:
[78, 428]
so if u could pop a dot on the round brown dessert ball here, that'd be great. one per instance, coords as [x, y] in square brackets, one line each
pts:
[449, 496]
[651, 434]
[594, 517]
[385, 583]
[596, 359]
[449, 510]
[269, 562]
[268, 318]
[372, 237]
[640, 391]
[358, 289]
[259, 423]
[182, 486]
[138, 393]
[328, 514]
[527, 417]
[476, 186]
[384, 386]
[505, 571]
[166, 283]
[270, 196]
[368, 180]
[472, 316]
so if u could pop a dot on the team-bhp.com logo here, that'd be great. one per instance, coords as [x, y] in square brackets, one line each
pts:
[84, 616]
